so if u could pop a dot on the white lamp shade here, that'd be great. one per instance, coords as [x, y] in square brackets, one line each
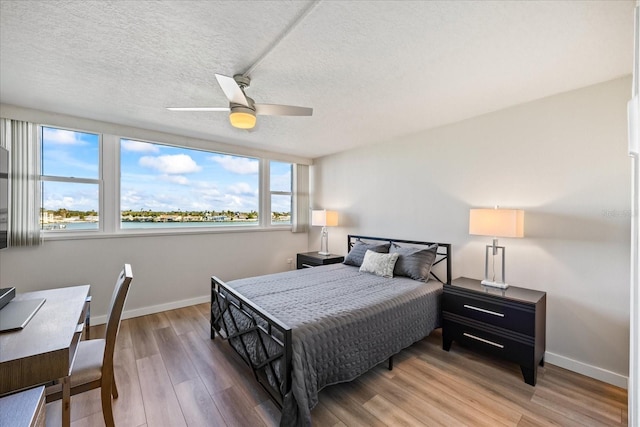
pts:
[242, 118]
[496, 222]
[324, 218]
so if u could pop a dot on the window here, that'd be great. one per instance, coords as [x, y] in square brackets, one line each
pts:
[105, 183]
[163, 186]
[70, 180]
[280, 180]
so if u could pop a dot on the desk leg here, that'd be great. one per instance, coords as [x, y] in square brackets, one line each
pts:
[87, 318]
[66, 401]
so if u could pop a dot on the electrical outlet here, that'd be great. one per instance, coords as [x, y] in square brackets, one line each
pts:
[289, 260]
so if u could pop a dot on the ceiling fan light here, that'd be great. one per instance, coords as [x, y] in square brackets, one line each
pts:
[242, 118]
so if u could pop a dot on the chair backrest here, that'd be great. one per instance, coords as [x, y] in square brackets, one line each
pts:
[115, 312]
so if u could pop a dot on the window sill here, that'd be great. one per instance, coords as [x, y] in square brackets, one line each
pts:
[65, 235]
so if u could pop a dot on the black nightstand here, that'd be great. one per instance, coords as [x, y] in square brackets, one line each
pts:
[509, 323]
[314, 259]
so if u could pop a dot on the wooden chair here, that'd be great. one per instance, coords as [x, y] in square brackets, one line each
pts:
[93, 365]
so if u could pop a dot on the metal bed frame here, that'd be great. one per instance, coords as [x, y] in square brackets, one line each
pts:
[238, 320]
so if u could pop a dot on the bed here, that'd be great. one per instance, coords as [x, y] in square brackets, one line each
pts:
[303, 330]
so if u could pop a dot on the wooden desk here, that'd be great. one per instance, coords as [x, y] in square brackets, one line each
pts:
[44, 350]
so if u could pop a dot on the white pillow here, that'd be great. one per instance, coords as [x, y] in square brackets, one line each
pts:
[379, 264]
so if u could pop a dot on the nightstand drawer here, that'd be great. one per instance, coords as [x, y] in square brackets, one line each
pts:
[505, 314]
[499, 342]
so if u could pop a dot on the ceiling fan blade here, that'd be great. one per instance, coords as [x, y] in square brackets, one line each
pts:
[198, 108]
[282, 110]
[231, 90]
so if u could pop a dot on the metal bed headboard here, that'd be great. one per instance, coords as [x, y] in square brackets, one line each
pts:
[443, 254]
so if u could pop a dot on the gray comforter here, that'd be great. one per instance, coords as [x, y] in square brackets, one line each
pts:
[343, 322]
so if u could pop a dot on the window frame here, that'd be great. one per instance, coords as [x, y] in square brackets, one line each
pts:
[59, 178]
[281, 193]
[180, 230]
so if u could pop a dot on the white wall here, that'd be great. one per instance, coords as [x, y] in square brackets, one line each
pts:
[563, 159]
[169, 271]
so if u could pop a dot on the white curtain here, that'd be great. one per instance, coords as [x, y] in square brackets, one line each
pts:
[300, 199]
[21, 139]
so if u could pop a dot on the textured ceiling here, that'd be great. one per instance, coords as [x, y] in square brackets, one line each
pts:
[372, 70]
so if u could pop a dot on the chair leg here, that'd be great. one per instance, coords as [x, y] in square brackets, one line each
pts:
[66, 401]
[114, 389]
[107, 412]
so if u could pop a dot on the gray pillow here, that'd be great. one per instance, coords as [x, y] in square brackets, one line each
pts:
[414, 262]
[356, 254]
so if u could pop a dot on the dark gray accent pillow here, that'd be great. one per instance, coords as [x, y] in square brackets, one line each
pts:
[414, 262]
[356, 254]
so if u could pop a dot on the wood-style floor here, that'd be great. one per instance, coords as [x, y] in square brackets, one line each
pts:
[170, 373]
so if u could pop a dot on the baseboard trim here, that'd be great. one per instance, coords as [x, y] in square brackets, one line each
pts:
[588, 370]
[143, 311]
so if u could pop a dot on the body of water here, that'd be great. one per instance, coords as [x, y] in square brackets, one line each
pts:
[71, 226]
[147, 225]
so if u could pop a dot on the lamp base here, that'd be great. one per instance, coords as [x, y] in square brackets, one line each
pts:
[324, 242]
[494, 284]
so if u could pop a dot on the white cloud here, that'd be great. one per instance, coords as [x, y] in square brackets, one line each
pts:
[61, 136]
[208, 200]
[175, 179]
[240, 165]
[208, 192]
[241, 188]
[142, 199]
[170, 164]
[139, 147]
[281, 182]
[281, 204]
[236, 203]
[74, 202]
[131, 198]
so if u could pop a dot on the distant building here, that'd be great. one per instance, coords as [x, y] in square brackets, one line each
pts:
[46, 217]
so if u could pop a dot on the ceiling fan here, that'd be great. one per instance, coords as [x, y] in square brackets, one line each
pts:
[242, 109]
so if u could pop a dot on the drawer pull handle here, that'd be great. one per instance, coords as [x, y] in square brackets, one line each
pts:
[483, 340]
[495, 313]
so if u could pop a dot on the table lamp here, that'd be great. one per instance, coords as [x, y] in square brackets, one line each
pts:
[324, 219]
[496, 223]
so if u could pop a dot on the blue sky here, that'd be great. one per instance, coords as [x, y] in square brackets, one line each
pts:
[156, 177]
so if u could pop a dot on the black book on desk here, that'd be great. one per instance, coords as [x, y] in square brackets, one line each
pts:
[6, 295]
